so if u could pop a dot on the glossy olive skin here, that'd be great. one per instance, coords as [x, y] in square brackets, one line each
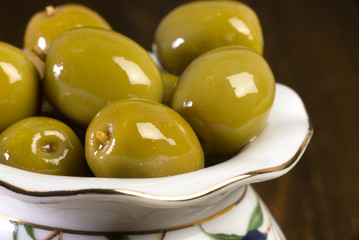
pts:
[19, 86]
[46, 25]
[43, 145]
[197, 27]
[226, 96]
[138, 138]
[169, 81]
[48, 111]
[87, 68]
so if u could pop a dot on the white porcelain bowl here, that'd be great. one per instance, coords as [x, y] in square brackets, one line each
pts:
[89, 204]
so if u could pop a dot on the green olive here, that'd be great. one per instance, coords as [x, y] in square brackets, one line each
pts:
[197, 27]
[19, 86]
[87, 68]
[43, 145]
[138, 138]
[169, 81]
[226, 96]
[44, 26]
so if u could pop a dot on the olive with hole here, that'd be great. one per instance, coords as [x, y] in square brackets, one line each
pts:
[46, 25]
[43, 145]
[197, 27]
[19, 86]
[138, 138]
[226, 95]
[88, 68]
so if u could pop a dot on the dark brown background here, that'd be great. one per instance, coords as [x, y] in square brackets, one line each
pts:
[312, 46]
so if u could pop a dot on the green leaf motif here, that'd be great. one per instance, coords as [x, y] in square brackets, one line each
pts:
[256, 218]
[117, 237]
[30, 231]
[15, 231]
[221, 236]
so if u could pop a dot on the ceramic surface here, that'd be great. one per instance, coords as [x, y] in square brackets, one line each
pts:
[248, 217]
[99, 205]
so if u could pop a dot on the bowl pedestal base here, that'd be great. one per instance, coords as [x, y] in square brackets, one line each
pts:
[248, 218]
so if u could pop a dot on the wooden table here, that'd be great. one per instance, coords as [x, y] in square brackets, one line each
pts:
[312, 46]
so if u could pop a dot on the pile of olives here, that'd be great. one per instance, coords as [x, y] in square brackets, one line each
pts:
[84, 100]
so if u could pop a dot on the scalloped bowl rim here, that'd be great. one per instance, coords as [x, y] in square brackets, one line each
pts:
[273, 153]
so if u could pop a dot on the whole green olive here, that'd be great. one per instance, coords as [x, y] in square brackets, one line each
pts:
[43, 145]
[197, 27]
[226, 95]
[87, 68]
[44, 26]
[19, 86]
[138, 138]
[169, 82]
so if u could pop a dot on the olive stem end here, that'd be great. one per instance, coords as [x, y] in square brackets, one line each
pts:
[50, 10]
[102, 137]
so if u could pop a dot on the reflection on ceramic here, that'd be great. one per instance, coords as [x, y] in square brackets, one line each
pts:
[189, 205]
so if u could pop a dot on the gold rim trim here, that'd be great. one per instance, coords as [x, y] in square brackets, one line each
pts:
[191, 224]
[199, 194]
